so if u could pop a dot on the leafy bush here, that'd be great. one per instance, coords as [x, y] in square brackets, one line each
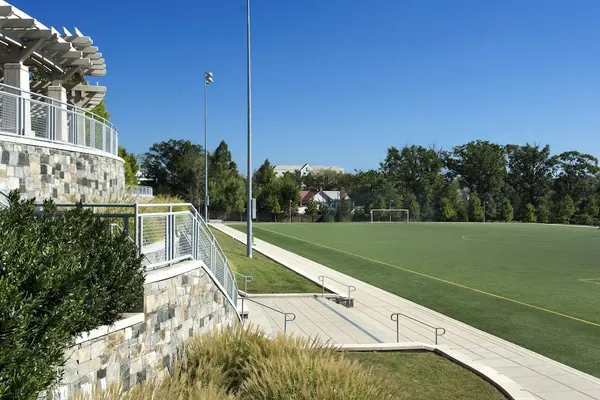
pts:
[447, 211]
[583, 219]
[507, 211]
[60, 275]
[475, 209]
[530, 213]
[542, 213]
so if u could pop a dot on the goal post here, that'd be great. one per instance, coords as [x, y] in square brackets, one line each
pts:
[390, 215]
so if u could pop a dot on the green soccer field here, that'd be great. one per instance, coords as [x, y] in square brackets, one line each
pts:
[537, 286]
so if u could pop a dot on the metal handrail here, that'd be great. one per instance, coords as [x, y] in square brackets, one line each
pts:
[285, 314]
[71, 107]
[397, 320]
[247, 278]
[226, 279]
[322, 279]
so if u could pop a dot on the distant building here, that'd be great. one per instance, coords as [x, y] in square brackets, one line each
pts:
[330, 197]
[305, 169]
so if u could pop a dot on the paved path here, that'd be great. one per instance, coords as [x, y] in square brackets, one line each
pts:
[542, 377]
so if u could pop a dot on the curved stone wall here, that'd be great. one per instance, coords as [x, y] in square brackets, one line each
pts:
[62, 172]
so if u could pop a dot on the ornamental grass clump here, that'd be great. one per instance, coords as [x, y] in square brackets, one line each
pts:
[242, 363]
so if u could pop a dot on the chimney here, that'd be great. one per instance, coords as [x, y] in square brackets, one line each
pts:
[342, 194]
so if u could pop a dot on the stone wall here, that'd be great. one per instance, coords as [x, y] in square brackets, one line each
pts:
[59, 171]
[175, 308]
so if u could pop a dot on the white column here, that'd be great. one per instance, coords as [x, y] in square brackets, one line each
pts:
[61, 127]
[17, 113]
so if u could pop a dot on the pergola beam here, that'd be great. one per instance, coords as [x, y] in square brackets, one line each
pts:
[14, 23]
[6, 11]
[28, 51]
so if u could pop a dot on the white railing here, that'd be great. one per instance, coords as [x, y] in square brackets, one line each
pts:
[139, 190]
[169, 233]
[35, 116]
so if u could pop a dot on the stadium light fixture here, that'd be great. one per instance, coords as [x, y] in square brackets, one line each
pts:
[208, 79]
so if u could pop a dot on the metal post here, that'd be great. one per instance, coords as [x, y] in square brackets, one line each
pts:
[249, 98]
[391, 201]
[397, 329]
[484, 203]
[290, 211]
[205, 152]
[243, 319]
[323, 287]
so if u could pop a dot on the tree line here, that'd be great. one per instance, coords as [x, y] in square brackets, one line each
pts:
[510, 182]
[522, 182]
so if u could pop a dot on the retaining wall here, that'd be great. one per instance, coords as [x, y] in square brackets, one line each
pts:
[179, 301]
[59, 171]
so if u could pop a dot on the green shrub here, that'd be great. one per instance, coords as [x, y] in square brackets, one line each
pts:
[447, 211]
[530, 213]
[475, 209]
[542, 213]
[60, 275]
[507, 211]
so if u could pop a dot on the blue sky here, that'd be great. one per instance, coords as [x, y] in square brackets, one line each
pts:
[336, 82]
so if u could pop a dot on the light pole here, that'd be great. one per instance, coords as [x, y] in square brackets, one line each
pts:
[208, 79]
[290, 211]
[484, 204]
[391, 201]
[249, 99]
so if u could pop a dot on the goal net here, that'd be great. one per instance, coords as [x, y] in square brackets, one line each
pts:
[390, 215]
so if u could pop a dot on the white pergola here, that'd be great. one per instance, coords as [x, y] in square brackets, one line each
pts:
[63, 60]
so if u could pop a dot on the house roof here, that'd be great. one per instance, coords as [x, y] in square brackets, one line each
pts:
[334, 194]
[306, 195]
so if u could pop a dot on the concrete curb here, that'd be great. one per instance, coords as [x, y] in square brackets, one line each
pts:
[504, 384]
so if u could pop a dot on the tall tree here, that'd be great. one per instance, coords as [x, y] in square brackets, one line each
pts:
[371, 190]
[531, 168]
[475, 208]
[131, 166]
[480, 166]
[575, 175]
[176, 168]
[265, 174]
[226, 186]
[415, 170]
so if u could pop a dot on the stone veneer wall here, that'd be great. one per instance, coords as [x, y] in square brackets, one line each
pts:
[59, 171]
[175, 309]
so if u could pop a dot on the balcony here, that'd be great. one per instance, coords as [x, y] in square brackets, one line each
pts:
[34, 116]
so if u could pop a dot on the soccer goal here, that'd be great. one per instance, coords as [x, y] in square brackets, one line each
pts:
[390, 215]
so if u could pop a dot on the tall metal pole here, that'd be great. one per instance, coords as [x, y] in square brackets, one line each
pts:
[205, 151]
[249, 98]
[484, 204]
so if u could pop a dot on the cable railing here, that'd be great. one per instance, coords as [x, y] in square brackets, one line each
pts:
[166, 234]
[139, 190]
[322, 279]
[287, 316]
[40, 117]
[169, 233]
[438, 331]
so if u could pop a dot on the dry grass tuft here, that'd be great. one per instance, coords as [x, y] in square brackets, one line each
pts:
[242, 363]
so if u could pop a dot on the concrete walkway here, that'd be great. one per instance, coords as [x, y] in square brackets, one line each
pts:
[542, 377]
